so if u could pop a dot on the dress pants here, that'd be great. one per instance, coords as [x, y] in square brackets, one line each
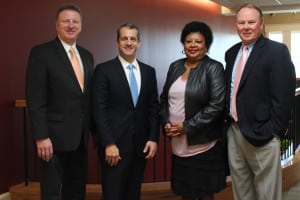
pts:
[123, 181]
[64, 176]
[255, 171]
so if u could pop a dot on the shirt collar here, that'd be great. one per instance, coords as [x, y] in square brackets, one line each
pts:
[125, 64]
[249, 46]
[67, 46]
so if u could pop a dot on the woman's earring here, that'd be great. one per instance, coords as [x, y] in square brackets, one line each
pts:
[183, 52]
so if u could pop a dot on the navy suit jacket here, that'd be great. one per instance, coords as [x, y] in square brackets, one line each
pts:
[57, 106]
[266, 91]
[115, 116]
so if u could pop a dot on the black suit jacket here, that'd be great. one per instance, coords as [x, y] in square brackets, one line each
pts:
[113, 110]
[266, 91]
[57, 106]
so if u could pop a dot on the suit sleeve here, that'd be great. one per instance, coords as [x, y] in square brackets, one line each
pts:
[100, 106]
[36, 93]
[282, 90]
[154, 110]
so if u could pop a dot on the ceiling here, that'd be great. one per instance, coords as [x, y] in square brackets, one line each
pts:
[268, 6]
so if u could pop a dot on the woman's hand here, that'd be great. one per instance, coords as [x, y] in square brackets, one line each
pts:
[174, 130]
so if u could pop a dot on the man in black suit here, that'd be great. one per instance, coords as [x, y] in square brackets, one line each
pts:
[58, 101]
[127, 131]
[258, 113]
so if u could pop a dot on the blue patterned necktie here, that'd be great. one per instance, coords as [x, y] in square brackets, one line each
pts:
[133, 85]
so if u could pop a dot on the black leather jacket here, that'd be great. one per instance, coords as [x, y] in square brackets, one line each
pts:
[204, 99]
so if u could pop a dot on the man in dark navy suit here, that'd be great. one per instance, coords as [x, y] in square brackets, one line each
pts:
[58, 101]
[258, 109]
[127, 124]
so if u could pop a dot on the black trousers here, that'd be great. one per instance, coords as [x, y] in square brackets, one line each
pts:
[123, 182]
[64, 176]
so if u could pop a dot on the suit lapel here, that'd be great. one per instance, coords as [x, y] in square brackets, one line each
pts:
[121, 73]
[231, 62]
[67, 64]
[63, 56]
[143, 81]
[250, 64]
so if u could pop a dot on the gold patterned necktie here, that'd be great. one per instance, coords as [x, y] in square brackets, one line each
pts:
[237, 77]
[76, 67]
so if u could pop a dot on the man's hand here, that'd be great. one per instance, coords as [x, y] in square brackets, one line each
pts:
[112, 156]
[151, 148]
[44, 149]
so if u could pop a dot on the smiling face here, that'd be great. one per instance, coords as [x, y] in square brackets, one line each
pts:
[68, 26]
[249, 25]
[128, 43]
[195, 46]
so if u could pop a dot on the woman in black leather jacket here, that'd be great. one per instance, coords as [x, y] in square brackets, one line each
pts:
[192, 104]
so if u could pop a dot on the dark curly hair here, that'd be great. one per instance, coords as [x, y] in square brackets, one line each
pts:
[197, 27]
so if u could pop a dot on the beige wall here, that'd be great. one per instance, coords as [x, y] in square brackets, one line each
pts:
[282, 18]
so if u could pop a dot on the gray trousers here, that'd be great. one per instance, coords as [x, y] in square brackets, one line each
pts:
[255, 171]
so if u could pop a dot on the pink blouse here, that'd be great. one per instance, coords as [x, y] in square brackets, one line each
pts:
[177, 115]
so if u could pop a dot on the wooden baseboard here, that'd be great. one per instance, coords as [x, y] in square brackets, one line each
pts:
[159, 190]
